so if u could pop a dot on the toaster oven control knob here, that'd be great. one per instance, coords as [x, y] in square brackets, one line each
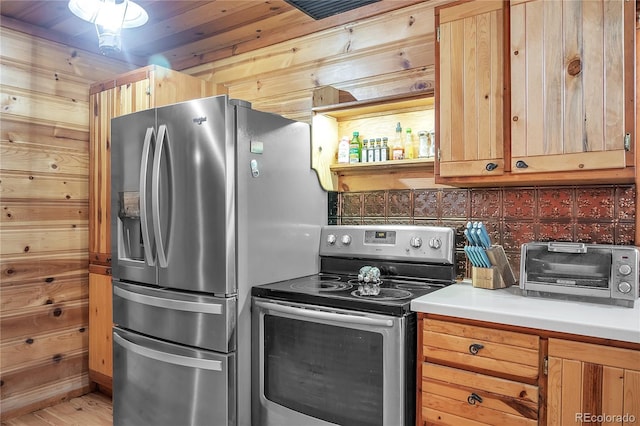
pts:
[346, 240]
[415, 242]
[331, 239]
[624, 269]
[624, 287]
[435, 243]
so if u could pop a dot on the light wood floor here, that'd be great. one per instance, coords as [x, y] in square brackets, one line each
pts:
[93, 409]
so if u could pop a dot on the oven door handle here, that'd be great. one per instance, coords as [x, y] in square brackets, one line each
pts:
[324, 315]
[567, 247]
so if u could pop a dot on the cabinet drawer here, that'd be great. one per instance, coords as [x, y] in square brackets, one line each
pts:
[505, 353]
[455, 396]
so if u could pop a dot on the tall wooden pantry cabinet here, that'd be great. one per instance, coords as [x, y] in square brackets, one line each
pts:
[141, 89]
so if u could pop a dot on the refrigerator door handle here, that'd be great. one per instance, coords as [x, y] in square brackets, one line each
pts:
[175, 304]
[155, 195]
[144, 171]
[204, 364]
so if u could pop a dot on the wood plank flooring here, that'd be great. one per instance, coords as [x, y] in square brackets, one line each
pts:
[93, 409]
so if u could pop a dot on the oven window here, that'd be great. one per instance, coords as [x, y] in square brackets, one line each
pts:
[590, 269]
[324, 371]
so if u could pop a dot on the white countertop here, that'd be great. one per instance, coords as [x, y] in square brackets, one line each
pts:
[508, 306]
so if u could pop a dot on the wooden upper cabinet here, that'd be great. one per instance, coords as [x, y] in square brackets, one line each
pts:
[470, 85]
[137, 90]
[572, 89]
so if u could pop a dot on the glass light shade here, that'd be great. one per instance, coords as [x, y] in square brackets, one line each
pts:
[92, 10]
[109, 17]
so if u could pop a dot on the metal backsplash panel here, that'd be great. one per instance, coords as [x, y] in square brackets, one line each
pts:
[602, 214]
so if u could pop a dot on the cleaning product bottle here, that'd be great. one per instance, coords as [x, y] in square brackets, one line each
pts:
[397, 150]
[355, 148]
[408, 145]
[343, 150]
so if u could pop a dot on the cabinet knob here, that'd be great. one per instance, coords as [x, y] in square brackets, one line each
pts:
[521, 164]
[475, 348]
[491, 167]
[473, 398]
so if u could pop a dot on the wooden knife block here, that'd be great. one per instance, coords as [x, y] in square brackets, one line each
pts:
[500, 275]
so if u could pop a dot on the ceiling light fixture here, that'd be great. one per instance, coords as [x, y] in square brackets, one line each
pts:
[109, 17]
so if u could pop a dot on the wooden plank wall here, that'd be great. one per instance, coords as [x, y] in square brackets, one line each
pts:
[390, 54]
[44, 167]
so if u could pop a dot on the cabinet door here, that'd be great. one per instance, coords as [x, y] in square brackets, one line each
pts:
[470, 88]
[100, 325]
[587, 381]
[103, 107]
[571, 85]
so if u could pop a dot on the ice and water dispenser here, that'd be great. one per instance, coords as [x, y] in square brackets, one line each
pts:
[130, 236]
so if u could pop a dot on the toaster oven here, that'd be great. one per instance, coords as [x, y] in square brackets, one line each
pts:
[590, 272]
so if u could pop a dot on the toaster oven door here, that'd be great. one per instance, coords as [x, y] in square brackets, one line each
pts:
[567, 264]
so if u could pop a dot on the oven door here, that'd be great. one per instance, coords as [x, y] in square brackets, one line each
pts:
[322, 366]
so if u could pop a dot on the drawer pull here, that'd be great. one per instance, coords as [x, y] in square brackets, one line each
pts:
[491, 167]
[475, 348]
[473, 398]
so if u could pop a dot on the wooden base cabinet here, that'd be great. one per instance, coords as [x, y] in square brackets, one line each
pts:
[100, 325]
[592, 384]
[479, 373]
[473, 375]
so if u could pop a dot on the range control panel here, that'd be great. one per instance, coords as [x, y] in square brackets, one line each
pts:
[430, 244]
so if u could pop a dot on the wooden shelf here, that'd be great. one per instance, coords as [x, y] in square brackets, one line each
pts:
[378, 106]
[371, 118]
[425, 164]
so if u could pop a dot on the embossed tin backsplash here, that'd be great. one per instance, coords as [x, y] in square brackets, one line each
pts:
[591, 214]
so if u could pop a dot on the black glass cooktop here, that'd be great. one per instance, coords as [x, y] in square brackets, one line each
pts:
[342, 291]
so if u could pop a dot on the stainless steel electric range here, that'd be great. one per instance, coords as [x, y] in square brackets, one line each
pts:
[339, 347]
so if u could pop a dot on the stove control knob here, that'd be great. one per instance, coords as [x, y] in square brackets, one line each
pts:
[624, 287]
[415, 242]
[624, 269]
[346, 240]
[435, 243]
[331, 239]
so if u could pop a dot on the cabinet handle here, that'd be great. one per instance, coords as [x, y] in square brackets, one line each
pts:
[521, 164]
[491, 167]
[475, 348]
[473, 398]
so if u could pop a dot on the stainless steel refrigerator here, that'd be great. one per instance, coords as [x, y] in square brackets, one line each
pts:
[208, 198]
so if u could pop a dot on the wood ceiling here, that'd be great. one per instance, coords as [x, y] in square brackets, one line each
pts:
[185, 33]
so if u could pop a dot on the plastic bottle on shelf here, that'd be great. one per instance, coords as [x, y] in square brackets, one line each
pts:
[343, 150]
[355, 148]
[408, 145]
[397, 150]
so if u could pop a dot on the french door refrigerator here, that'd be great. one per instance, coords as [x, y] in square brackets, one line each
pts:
[208, 198]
